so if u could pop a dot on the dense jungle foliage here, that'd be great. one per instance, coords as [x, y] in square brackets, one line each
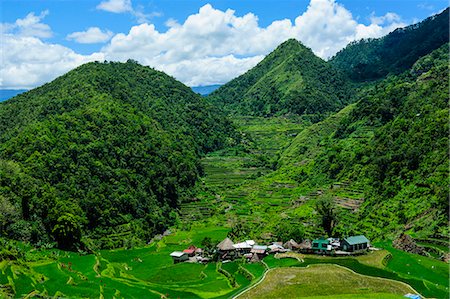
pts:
[109, 149]
[291, 79]
[371, 59]
[393, 143]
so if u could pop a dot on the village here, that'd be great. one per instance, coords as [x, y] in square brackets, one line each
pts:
[226, 250]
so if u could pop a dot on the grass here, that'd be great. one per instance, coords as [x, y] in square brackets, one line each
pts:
[131, 273]
[323, 280]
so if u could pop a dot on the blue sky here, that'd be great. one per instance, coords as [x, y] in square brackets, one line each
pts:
[198, 42]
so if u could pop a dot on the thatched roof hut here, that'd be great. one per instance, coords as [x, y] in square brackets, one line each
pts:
[255, 258]
[291, 244]
[306, 244]
[226, 245]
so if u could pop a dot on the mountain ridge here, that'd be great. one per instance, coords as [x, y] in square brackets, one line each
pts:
[291, 79]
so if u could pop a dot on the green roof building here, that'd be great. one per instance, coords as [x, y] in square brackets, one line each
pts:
[355, 243]
[321, 244]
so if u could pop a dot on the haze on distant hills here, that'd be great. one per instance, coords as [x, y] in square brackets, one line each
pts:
[9, 93]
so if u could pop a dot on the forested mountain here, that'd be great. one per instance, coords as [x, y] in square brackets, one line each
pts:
[371, 59]
[108, 148]
[291, 79]
[393, 143]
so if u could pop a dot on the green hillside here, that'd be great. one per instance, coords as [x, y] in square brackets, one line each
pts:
[393, 145]
[109, 149]
[291, 79]
[371, 59]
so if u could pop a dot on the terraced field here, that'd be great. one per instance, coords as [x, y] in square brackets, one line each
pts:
[138, 273]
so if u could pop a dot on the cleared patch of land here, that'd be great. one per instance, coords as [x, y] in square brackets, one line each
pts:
[330, 281]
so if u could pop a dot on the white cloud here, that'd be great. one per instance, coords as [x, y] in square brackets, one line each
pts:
[28, 62]
[209, 47]
[212, 45]
[91, 36]
[125, 6]
[31, 25]
[116, 6]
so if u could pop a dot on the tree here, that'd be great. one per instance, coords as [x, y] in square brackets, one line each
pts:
[286, 231]
[67, 231]
[327, 210]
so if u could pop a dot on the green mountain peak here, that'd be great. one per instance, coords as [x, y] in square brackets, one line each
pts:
[291, 79]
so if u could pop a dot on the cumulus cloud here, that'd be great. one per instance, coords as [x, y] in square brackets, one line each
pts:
[28, 62]
[116, 6]
[31, 25]
[91, 36]
[213, 46]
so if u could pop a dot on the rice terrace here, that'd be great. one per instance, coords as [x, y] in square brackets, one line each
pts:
[231, 149]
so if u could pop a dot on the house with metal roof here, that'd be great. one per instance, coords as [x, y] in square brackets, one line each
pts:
[355, 243]
[321, 245]
[179, 256]
[243, 247]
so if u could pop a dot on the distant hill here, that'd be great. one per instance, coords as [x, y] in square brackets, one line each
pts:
[106, 149]
[9, 93]
[371, 59]
[291, 79]
[393, 144]
[205, 90]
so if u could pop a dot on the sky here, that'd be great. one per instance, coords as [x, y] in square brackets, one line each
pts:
[198, 42]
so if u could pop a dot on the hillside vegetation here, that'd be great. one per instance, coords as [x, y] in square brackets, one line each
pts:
[290, 80]
[371, 59]
[109, 149]
[392, 144]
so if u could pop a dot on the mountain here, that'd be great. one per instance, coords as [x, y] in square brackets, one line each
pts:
[9, 93]
[393, 145]
[108, 149]
[291, 79]
[371, 59]
[205, 90]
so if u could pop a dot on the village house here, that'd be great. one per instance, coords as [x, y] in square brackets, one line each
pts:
[276, 247]
[291, 244]
[190, 250]
[244, 247]
[321, 245]
[259, 251]
[179, 256]
[225, 249]
[355, 243]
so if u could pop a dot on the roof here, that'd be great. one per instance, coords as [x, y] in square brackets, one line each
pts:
[275, 246]
[242, 245]
[250, 242]
[306, 244]
[356, 240]
[290, 244]
[260, 251]
[321, 241]
[226, 244]
[260, 247]
[189, 251]
[177, 254]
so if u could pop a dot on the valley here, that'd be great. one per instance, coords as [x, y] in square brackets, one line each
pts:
[233, 192]
[118, 181]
